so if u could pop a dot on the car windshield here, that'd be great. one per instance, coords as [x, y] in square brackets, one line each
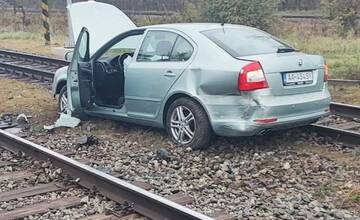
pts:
[245, 42]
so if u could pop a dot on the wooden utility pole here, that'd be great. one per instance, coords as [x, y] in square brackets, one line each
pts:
[45, 18]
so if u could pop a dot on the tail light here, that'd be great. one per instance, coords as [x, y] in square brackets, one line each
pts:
[326, 72]
[252, 77]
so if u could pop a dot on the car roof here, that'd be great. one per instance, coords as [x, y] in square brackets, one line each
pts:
[198, 27]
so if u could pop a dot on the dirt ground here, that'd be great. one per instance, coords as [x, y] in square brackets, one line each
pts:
[34, 46]
[30, 99]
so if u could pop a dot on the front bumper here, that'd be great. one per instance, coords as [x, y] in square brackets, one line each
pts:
[289, 111]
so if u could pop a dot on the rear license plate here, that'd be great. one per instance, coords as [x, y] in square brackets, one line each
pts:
[298, 78]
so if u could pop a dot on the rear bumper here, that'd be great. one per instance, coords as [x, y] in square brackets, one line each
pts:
[249, 128]
[289, 111]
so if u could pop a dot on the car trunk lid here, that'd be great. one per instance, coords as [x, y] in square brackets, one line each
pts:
[283, 69]
[103, 22]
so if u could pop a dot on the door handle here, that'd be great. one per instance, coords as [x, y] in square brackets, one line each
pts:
[169, 74]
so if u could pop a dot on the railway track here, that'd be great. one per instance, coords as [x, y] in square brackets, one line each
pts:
[346, 128]
[28, 65]
[134, 195]
[43, 68]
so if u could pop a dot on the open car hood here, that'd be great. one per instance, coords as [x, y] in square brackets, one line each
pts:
[103, 22]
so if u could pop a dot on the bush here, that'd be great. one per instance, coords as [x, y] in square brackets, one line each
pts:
[344, 13]
[255, 13]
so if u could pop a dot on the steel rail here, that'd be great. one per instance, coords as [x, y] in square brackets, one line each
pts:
[142, 201]
[344, 81]
[33, 58]
[27, 70]
[345, 110]
[350, 137]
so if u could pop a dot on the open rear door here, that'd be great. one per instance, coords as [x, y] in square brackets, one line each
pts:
[79, 81]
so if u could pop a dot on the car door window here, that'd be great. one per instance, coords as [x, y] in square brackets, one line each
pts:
[157, 46]
[126, 45]
[182, 50]
[83, 46]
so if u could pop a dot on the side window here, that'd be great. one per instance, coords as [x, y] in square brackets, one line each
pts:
[157, 46]
[182, 50]
[83, 46]
[126, 45]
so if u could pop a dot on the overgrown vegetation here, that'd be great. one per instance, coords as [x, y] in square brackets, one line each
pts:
[344, 14]
[256, 13]
[341, 54]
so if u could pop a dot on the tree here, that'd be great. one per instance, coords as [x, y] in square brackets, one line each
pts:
[344, 13]
[256, 13]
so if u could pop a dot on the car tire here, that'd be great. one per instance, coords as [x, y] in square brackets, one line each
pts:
[61, 100]
[183, 125]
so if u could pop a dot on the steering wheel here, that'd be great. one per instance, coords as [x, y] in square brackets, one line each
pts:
[122, 58]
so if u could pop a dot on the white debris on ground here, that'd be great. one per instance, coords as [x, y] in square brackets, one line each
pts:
[66, 121]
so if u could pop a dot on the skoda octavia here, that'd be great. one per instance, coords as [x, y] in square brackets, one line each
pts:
[194, 80]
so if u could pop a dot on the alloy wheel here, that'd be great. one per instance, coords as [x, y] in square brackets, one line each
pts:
[183, 125]
[64, 102]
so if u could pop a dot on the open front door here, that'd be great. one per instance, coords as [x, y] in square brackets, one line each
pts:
[79, 82]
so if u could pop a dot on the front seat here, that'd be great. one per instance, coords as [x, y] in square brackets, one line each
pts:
[163, 49]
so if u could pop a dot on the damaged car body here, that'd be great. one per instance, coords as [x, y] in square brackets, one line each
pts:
[195, 80]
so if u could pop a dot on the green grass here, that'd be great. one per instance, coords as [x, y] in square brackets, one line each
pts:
[324, 191]
[341, 54]
[356, 197]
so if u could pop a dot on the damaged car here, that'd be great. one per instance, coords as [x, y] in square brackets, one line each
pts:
[194, 80]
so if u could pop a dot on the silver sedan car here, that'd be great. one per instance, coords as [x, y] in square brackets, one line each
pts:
[195, 80]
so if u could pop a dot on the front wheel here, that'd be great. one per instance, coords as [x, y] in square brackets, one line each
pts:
[188, 124]
[63, 100]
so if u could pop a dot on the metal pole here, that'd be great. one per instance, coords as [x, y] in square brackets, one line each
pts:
[45, 18]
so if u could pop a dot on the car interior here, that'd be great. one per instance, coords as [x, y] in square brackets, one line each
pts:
[109, 75]
[109, 69]
[109, 81]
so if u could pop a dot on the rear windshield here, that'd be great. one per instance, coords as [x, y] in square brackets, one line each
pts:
[245, 42]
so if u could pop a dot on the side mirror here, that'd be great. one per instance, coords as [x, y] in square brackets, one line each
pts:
[69, 55]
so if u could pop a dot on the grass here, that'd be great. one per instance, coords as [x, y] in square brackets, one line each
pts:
[356, 197]
[325, 191]
[345, 94]
[341, 54]
[29, 42]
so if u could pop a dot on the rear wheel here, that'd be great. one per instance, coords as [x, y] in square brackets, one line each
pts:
[63, 100]
[188, 124]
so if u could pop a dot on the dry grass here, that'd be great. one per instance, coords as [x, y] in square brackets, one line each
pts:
[20, 97]
[346, 94]
[29, 42]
